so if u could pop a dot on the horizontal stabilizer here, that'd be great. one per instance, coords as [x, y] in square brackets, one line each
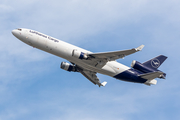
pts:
[151, 75]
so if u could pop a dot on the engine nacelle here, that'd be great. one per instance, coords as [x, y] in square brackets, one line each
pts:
[68, 67]
[79, 54]
[138, 66]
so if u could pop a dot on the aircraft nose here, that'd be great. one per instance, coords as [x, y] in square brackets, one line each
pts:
[14, 32]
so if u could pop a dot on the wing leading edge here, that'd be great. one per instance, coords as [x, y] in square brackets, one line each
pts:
[110, 56]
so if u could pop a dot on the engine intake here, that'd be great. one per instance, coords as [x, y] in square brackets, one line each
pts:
[137, 65]
[68, 67]
[79, 54]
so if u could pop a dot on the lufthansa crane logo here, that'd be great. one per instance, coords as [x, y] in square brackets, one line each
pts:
[155, 63]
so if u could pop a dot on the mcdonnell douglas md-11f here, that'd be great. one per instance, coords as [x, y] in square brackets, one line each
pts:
[89, 64]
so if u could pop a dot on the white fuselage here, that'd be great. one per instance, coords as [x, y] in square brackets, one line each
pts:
[64, 50]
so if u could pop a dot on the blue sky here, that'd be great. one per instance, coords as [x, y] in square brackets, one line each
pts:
[33, 87]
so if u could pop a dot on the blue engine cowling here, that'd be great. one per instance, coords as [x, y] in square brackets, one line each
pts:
[138, 66]
[78, 54]
[68, 67]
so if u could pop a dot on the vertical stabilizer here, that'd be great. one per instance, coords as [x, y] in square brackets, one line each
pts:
[155, 62]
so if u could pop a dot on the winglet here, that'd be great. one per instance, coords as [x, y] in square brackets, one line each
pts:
[139, 48]
[151, 82]
[103, 83]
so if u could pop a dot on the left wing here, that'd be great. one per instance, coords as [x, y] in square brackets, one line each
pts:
[92, 77]
[111, 56]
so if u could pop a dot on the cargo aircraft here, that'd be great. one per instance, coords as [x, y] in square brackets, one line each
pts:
[89, 64]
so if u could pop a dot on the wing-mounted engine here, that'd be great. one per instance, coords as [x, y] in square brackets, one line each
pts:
[68, 67]
[78, 54]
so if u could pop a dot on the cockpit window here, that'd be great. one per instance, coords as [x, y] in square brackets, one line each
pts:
[20, 29]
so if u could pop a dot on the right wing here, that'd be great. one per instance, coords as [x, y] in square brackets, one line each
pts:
[91, 76]
[110, 56]
[100, 59]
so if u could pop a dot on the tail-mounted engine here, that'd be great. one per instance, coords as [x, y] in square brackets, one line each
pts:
[79, 54]
[143, 68]
[68, 67]
[138, 66]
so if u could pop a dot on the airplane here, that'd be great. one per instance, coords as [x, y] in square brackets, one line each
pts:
[89, 64]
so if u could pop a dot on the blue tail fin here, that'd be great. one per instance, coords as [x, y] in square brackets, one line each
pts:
[155, 62]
